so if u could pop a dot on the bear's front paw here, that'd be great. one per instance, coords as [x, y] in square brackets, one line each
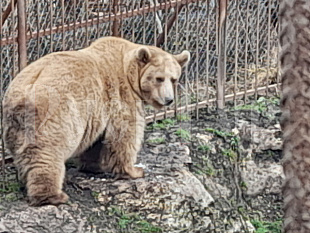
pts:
[57, 199]
[135, 172]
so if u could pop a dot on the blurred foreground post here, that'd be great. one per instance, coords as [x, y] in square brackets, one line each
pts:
[295, 63]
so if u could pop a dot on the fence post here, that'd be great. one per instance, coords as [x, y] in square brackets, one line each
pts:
[116, 22]
[22, 48]
[221, 64]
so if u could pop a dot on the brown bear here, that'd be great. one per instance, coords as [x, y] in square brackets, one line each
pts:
[60, 105]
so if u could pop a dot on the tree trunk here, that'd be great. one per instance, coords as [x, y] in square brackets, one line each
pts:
[295, 63]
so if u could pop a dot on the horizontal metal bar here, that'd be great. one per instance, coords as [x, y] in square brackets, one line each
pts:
[103, 19]
[203, 104]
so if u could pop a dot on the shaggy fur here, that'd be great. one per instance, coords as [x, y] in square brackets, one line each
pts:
[60, 105]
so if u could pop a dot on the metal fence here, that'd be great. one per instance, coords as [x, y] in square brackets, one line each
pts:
[234, 47]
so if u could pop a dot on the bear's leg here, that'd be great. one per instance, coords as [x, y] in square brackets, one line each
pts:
[123, 145]
[43, 175]
[44, 185]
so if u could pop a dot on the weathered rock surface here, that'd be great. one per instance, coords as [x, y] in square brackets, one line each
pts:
[169, 196]
[219, 178]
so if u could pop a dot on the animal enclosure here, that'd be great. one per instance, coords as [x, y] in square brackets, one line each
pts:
[233, 48]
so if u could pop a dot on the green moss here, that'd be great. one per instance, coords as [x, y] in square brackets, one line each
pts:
[204, 148]
[267, 227]
[156, 140]
[133, 221]
[184, 134]
[219, 133]
[183, 117]
[164, 124]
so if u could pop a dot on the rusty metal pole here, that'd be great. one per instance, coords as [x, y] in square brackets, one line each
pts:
[116, 23]
[221, 72]
[22, 48]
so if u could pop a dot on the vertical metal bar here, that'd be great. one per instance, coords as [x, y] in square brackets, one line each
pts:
[92, 20]
[197, 58]
[278, 28]
[74, 24]
[51, 25]
[207, 50]
[22, 48]
[143, 19]
[177, 49]
[86, 18]
[98, 17]
[116, 23]
[155, 40]
[155, 24]
[236, 53]
[110, 12]
[38, 28]
[268, 47]
[121, 33]
[186, 68]
[14, 43]
[165, 40]
[133, 38]
[63, 23]
[2, 93]
[220, 61]
[257, 47]
[246, 51]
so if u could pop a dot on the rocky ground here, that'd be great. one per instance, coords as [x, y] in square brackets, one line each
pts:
[218, 173]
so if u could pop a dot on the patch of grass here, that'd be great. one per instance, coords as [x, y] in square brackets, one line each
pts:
[183, 117]
[267, 227]
[10, 187]
[10, 191]
[95, 194]
[261, 105]
[156, 140]
[230, 154]
[184, 134]
[133, 220]
[243, 185]
[204, 148]
[164, 124]
[219, 133]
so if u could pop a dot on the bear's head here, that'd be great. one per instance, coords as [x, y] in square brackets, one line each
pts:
[159, 74]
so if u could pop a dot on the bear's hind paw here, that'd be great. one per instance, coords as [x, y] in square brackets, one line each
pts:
[57, 199]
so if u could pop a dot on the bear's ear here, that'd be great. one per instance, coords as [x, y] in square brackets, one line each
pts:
[143, 55]
[183, 58]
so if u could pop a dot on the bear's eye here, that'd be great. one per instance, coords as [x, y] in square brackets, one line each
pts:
[160, 80]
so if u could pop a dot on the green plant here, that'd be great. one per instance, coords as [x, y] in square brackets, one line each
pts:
[267, 227]
[95, 194]
[183, 117]
[166, 123]
[10, 187]
[137, 224]
[157, 140]
[259, 105]
[219, 133]
[234, 142]
[184, 134]
[145, 226]
[230, 154]
[204, 148]
[243, 185]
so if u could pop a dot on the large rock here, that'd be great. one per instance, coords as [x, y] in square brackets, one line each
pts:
[170, 198]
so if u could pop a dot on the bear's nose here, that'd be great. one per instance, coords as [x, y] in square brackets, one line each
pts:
[168, 101]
